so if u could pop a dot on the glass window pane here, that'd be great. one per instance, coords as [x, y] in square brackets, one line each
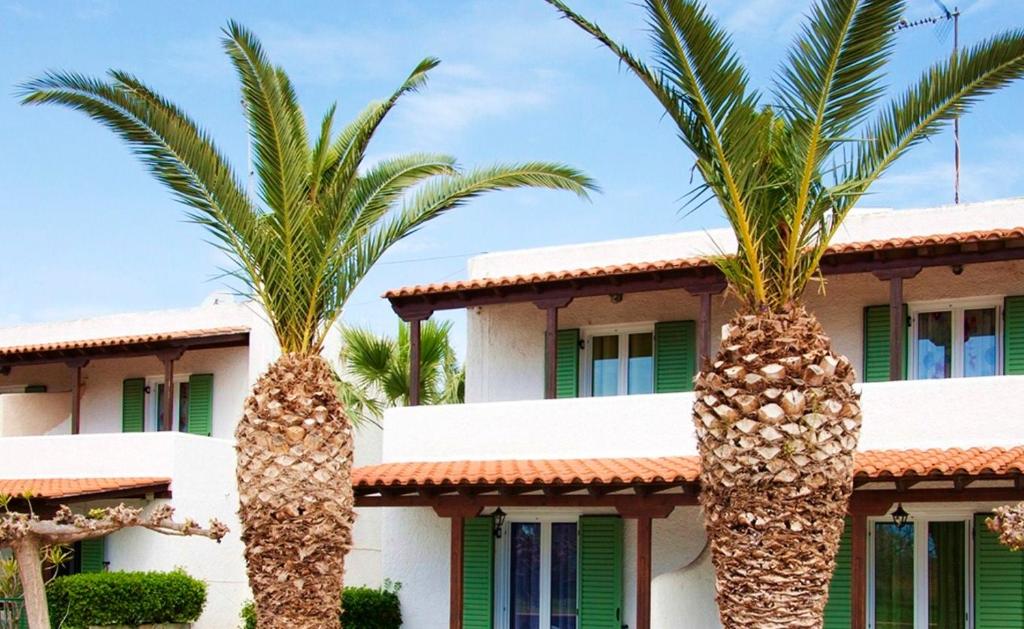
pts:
[641, 363]
[605, 365]
[525, 576]
[934, 345]
[894, 576]
[563, 575]
[980, 342]
[947, 567]
[183, 407]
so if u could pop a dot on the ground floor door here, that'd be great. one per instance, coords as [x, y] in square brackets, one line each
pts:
[537, 585]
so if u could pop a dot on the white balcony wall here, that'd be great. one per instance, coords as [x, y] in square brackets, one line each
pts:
[911, 414]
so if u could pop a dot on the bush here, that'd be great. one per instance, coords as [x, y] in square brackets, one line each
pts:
[362, 608]
[125, 598]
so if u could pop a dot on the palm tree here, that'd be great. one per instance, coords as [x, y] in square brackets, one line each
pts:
[776, 416]
[375, 369]
[318, 222]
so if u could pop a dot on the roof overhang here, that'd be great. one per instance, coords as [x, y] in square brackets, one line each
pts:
[53, 491]
[123, 346]
[882, 478]
[699, 274]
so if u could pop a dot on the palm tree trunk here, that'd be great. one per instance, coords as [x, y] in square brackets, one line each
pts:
[294, 484]
[777, 423]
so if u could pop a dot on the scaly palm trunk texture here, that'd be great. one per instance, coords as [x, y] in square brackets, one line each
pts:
[294, 472]
[777, 423]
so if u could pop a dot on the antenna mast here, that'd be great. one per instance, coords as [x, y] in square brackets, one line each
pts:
[946, 16]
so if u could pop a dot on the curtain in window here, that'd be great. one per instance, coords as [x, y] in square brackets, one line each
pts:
[946, 570]
[525, 576]
[894, 576]
[563, 575]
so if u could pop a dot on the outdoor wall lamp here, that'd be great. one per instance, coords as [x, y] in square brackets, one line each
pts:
[900, 517]
[499, 521]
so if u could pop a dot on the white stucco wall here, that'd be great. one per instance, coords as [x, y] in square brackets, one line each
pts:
[24, 414]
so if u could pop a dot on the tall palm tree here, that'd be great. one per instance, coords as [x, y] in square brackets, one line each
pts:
[776, 416]
[375, 369]
[318, 222]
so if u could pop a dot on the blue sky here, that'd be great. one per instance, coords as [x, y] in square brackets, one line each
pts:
[86, 231]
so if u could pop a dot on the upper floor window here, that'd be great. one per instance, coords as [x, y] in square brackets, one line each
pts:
[155, 408]
[955, 339]
[619, 361]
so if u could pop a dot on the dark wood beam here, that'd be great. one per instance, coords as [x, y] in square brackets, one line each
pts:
[76, 366]
[456, 570]
[880, 501]
[859, 570]
[551, 307]
[168, 357]
[643, 573]
[897, 324]
[704, 321]
[414, 362]
[447, 502]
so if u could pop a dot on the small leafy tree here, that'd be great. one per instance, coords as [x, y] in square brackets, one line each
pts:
[28, 535]
[1008, 523]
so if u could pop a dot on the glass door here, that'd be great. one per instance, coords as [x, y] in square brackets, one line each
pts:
[919, 577]
[538, 590]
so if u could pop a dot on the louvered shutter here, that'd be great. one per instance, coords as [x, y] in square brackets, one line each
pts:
[35, 388]
[92, 555]
[998, 581]
[133, 404]
[599, 573]
[478, 573]
[1013, 336]
[838, 611]
[876, 344]
[567, 376]
[675, 356]
[200, 404]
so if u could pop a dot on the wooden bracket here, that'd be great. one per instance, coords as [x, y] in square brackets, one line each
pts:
[904, 273]
[458, 509]
[552, 302]
[654, 511]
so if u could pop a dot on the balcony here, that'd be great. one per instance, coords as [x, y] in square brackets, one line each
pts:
[956, 413]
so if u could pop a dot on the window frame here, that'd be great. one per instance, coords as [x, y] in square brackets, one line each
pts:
[586, 384]
[152, 410]
[921, 515]
[956, 307]
[503, 565]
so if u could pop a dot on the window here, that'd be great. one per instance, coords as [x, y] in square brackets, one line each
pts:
[537, 580]
[620, 362]
[155, 407]
[955, 340]
[919, 576]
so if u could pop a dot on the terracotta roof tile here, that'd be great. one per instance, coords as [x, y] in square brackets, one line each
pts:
[115, 341]
[699, 261]
[56, 488]
[870, 464]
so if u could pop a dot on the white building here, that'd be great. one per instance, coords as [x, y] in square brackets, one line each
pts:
[112, 445]
[599, 487]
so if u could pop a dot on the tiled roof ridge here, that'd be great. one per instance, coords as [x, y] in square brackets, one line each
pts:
[53, 488]
[627, 470]
[113, 341]
[696, 261]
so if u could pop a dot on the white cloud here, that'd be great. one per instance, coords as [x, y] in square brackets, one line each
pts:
[443, 112]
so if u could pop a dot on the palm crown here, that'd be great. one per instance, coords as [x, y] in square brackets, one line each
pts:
[322, 218]
[787, 174]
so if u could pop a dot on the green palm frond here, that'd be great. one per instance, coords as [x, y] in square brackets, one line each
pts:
[320, 218]
[787, 173]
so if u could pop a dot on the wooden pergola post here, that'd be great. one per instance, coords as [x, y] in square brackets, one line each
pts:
[704, 352]
[644, 517]
[859, 572]
[168, 358]
[415, 318]
[551, 306]
[76, 393]
[458, 515]
[897, 325]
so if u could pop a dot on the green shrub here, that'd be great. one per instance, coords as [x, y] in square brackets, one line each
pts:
[362, 608]
[125, 598]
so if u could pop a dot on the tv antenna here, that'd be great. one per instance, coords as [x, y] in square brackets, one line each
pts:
[942, 21]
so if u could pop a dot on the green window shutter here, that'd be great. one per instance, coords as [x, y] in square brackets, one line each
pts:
[35, 388]
[1013, 336]
[675, 356]
[998, 581]
[133, 404]
[200, 404]
[478, 573]
[92, 555]
[599, 574]
[839, 611]
[568, 370]
[876, 344]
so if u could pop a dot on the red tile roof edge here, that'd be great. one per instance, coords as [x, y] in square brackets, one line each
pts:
[114, 341]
